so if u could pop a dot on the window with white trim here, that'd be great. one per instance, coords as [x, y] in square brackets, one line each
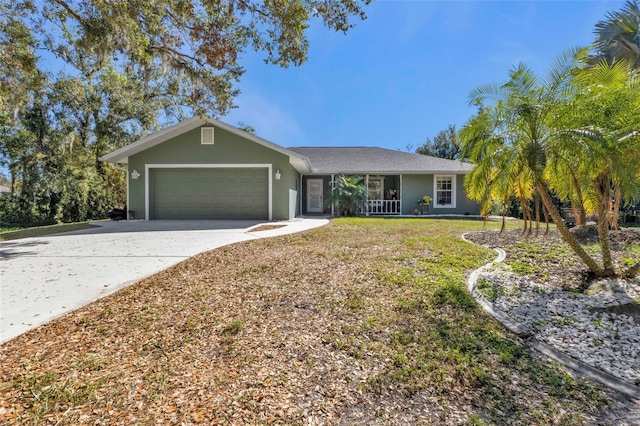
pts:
[444, 188]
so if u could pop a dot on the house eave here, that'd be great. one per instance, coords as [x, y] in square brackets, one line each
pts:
[122, 155]
[388, 172]
[298, 161]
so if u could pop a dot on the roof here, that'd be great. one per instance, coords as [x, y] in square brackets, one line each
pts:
[4, 189]
[374, 160]
[327, 160]
[122, 155]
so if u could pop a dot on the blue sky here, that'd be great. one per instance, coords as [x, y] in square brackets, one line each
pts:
[405, 73]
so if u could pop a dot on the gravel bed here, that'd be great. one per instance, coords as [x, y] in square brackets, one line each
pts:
[600, 327]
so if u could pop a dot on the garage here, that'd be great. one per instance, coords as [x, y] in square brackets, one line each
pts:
[204, 169]
[208, 193]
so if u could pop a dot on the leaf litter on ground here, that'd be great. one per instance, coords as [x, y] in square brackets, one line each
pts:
[364, 321]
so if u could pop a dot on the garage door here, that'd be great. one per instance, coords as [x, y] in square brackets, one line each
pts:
[184, 194]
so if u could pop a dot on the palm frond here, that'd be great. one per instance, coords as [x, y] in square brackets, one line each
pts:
[563, 67]
[618, 36]
[523, 81]
[480, 94]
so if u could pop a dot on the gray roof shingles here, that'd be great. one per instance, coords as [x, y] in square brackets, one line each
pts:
[374, 160]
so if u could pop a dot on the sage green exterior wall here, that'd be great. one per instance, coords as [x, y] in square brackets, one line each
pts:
[228, 148]
[464, 204]
[414, 187]
[291, 181]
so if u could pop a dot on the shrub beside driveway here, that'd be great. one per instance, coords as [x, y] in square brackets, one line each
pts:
[364, 321]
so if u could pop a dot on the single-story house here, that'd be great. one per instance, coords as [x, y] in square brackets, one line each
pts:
[207, 169]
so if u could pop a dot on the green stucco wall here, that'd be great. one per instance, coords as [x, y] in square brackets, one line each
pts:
[228, 148]
[464, 204]
[414, 187]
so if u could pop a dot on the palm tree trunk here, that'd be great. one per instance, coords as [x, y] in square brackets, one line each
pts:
[568, 237]
[546, 219]
[526, 216]
[604, 211]
[578, 211]
[605, 245]
[605, 242]
[536, 201]
[615, 208]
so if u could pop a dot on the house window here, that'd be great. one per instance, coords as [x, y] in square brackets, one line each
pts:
[376, 187]
[445, 191]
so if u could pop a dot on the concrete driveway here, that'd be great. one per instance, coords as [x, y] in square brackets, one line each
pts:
[44, 277]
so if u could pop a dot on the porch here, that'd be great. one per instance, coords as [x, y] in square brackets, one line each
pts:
[385, 207]
[383, 195]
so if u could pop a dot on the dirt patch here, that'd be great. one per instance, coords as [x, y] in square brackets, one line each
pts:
[266, 228]
[547, 259]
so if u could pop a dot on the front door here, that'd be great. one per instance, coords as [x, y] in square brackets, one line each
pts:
[314, 196]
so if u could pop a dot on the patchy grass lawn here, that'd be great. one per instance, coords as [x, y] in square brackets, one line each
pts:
[16, 233]
[364, 321]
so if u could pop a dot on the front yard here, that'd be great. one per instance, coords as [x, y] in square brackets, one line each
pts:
[364, 321]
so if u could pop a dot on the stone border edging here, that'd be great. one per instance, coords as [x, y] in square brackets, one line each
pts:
[578, 366]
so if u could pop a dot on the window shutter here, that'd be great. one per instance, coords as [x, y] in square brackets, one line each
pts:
[206, 135]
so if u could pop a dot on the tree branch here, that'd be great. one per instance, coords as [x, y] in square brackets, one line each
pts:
[68, 8]
[176, 55]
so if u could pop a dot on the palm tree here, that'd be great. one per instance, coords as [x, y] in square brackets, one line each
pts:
[575, 133]
[348, 194]
[618, 36]
[511, 140]
[602, 123]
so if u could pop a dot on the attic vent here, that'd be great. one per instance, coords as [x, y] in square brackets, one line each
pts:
[206, 135]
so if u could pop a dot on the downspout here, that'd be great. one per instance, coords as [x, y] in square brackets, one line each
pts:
[126, 174]
[401, 194]
[366, 186]
[333, 213]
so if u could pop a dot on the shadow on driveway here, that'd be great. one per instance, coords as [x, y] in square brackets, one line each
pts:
[14, 249]
[112, 226]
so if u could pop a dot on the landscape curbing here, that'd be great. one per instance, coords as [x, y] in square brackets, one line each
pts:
[578, 366]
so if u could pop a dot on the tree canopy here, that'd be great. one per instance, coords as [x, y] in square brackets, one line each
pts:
[79, 78]
[195, 45]
[444, 145]
[618, 35]
[574, 133]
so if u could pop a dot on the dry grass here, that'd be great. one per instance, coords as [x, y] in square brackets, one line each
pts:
[365, 321]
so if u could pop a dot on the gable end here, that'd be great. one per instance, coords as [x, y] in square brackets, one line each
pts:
[206, 135]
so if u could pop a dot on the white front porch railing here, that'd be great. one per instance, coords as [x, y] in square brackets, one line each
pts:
[383, 207]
